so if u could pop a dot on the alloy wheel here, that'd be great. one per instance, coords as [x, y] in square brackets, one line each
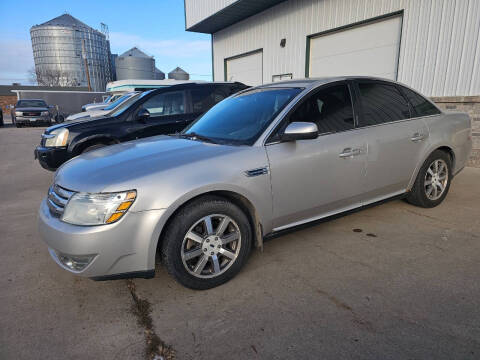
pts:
[436, 179]
[211, 246]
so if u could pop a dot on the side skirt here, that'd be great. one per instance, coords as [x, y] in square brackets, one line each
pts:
[275, 234]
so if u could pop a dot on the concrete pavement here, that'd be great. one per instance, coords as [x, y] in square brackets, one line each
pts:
[403, 285]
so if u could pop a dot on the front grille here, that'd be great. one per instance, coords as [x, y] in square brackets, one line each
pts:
[57, 199]
[31, 113]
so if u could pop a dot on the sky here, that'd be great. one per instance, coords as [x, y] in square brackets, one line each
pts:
[157, 27]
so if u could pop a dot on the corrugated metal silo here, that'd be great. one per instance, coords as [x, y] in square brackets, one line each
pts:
[135, 64]
[57, 49]
[159, 74]
[178, 74]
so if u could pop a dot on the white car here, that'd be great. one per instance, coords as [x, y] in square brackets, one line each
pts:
[102, 105]
[85, 115]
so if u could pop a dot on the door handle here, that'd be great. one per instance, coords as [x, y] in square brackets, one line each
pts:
[349, 152]
[418, 137]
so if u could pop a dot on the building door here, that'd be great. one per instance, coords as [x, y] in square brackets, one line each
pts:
[246, 68]
[371, 48]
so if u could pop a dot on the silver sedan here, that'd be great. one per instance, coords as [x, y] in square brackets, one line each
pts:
[264, 160]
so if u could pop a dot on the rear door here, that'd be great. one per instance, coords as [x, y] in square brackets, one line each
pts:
[167, 113]
[396, 140]
[315, 178]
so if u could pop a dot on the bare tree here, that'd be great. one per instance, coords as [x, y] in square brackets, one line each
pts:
[52, 77]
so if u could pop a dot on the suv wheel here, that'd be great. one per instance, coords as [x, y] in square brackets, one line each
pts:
[433, 181]
[207, 243]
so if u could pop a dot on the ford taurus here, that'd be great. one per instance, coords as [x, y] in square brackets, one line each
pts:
[264, 160]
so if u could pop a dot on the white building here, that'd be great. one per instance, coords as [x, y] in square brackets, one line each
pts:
[431, 45]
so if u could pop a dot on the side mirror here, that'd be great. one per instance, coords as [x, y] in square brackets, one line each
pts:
[300, 131]
[143, 114]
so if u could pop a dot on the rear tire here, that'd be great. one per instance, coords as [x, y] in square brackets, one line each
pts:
[207, 243]
[433, 181]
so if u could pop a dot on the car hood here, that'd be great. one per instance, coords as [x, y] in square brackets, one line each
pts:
[42, 108]
[155, 160]
[86, 115]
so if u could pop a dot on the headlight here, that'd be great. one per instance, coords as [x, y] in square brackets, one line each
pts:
[57, 138]
[44, 113]
[98, 209]
[18, 113]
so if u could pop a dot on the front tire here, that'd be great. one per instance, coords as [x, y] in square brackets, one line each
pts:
[207, 243]
[433, 181]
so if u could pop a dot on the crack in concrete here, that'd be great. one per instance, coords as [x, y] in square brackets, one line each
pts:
[155, 347]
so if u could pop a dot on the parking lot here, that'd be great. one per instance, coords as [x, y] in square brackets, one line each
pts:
[390, 282]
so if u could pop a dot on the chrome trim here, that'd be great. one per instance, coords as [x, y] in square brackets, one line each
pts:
[257, 171]
[57, 199]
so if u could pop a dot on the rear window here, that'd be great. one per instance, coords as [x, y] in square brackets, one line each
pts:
[382, 103]
[420, 105]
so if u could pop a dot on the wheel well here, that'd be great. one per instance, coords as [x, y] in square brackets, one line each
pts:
[94, 141]
[242, 202]
[450, 153]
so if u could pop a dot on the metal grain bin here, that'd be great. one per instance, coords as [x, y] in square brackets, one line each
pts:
[135, 64]
[57, 48]
[178, 74]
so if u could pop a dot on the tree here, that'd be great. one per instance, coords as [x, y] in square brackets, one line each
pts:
[52, 77]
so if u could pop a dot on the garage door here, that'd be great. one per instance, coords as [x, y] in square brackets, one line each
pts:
[245, 68]
[368, 49]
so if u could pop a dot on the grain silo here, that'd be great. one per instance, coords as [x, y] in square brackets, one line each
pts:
[159, 74]
[57, 52]
[178, 74]
[135, 64]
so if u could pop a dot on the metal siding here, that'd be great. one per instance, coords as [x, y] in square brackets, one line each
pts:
[198, 10]
[439, 52]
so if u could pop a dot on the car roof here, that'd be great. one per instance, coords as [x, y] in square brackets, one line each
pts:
[314, 82]
[31, 99]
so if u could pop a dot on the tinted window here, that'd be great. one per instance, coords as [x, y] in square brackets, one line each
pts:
[31, 103]
[382, 103]
[241, 119]
[204, 98]
[170, 103]
[331, 109]
[421, 106]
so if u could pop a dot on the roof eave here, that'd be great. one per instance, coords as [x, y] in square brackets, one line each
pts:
[229, 15]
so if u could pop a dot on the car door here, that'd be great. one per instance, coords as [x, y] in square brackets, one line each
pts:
[315, 178]
[396, 141]
[167, 113]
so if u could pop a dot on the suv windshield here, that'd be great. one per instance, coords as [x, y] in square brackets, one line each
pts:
[117, 102]
[242, 118]
[31, 103]
[126, 104]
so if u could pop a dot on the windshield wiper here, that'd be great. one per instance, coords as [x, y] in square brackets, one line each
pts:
[195, 136]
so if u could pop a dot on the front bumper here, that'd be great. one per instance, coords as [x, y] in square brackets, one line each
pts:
[51, 158]
[37, 120]
[116, 249]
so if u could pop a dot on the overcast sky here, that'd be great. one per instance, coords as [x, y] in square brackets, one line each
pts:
[157, 27]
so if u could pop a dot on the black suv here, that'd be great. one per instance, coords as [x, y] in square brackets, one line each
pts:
[154, 112]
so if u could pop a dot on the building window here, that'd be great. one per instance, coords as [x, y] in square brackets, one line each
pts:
[281, 77]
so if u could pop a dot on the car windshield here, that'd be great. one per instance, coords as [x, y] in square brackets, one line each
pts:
[126, 104]
[241, 119]
[117, 102]
[31, 103]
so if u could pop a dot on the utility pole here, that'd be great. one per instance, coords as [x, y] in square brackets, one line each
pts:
[84, 55]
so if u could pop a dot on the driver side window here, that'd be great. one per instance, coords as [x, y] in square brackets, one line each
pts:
[330, 108]
[171, 103]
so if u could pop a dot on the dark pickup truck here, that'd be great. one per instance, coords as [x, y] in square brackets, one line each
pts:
[31, 112]
[163, 111]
